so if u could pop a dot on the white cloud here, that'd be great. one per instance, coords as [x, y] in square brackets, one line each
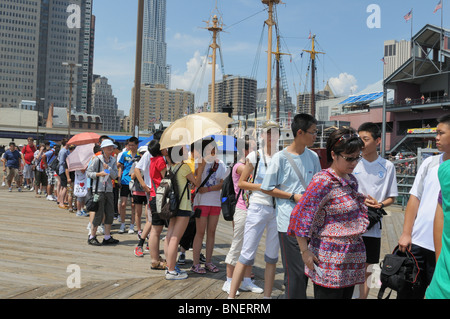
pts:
[196, 77]
[344, 84]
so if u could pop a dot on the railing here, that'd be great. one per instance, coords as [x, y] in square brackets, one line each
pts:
[420, 101]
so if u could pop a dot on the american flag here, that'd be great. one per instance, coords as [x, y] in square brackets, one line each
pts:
[439, 6]
[408, 16]
[382, 60]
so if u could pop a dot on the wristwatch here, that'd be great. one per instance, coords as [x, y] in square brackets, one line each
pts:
[382, 205]
[292, 198]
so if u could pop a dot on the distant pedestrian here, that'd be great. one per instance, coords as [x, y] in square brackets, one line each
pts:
[40, 177]
[104, 169]
[28, 169]
[47, 159]
[12, 161]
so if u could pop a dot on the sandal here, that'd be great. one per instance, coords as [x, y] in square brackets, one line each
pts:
[198, 269]
[211, 267]
[158, 265]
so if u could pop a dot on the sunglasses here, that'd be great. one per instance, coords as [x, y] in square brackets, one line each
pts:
[351, 159]
[346, 137]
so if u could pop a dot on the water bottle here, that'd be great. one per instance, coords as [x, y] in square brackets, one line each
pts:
[104, 179]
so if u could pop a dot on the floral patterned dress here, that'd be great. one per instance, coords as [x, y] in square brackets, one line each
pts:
[332, 214]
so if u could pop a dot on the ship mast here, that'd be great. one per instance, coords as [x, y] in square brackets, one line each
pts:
[278, 55]
[215, 29]
[313, 53]
[270, 23]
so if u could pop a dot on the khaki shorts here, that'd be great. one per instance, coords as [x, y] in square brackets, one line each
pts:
[12, 173]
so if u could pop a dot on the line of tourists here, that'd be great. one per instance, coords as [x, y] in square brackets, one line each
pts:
[316, 218]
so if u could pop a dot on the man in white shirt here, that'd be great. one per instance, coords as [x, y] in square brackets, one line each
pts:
[378, 181]
[417, 233]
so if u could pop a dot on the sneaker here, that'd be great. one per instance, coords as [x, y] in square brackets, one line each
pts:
[138, 251]
[19, 189]
[110, 241]
[181, 259]
[202, 258]
[93, 241]
[39, 191]
[50, 197]
[3, 184]
[122, 228]
[226, 287]
[250, 286]
[31, 189]
[131, 229]
[175, 275]
[78, 213]
[100, 230]
[10, 189]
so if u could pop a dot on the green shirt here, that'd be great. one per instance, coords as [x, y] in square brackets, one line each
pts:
[440, 284]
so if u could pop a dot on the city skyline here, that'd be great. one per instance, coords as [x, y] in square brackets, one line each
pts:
[353, 48]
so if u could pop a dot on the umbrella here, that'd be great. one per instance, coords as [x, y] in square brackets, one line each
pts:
[80, 157]
[84, 138]
[225, 143]
[194, 127]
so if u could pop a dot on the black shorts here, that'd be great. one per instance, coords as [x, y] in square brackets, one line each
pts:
[373, 246]
[125, 191]
[140, 200]
[63, 178]
[156, 221]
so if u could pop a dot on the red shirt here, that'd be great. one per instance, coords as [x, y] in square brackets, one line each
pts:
[157, 164]
[28, 153]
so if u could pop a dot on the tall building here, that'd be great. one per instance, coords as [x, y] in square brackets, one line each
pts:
[304, 100]
[36, 37]
[160, 104]
[19, 43]
[105, 104]
[154, 47]
[395, 54]
[237, 90]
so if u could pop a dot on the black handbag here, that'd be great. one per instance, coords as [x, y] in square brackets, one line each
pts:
[399, 272]
[375, 215]
[91, 202]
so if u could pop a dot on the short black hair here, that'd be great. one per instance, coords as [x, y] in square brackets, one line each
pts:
[134, 140]
[154, 148]
[372, 128]
[302, 122]
[172, 150]
[445, 119]
[343, 140]
[206, 141]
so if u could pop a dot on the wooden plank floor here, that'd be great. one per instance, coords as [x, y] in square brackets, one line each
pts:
[39, 241]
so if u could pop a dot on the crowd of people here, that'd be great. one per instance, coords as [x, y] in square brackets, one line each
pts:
[316, 219]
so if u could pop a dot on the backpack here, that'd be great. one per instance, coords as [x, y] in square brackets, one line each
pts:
[399, 272]
[167, 195]
[228, 197]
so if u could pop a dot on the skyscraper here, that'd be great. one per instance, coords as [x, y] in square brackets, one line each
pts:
[154, 47]
[37, 37]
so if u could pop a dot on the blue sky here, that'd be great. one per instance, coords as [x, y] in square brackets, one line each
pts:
[353, 50]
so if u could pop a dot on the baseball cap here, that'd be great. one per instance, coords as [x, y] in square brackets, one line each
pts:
[107, 143]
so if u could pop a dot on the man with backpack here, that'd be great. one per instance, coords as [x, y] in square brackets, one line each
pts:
[48, 163]
[287, 178]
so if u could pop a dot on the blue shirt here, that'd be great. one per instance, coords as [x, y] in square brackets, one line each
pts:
[127, 161]
[280, 174]
[50, 156]
[12, 158]
[62, 156]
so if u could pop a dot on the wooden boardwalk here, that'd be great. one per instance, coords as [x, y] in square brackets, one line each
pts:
[39, 243]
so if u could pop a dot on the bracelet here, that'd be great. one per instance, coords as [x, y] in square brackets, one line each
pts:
[302, 252]
[292, 198]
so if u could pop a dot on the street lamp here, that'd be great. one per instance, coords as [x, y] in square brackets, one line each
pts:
[69, 118]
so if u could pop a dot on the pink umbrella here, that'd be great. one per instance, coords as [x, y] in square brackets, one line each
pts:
[84, 138]
[80, 157]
